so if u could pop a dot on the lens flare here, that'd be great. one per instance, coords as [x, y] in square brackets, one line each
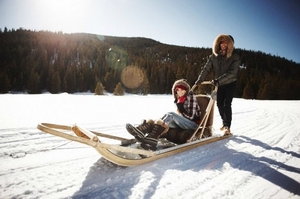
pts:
[132, 77]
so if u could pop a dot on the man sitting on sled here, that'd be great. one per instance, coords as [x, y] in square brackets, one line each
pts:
[187, 118]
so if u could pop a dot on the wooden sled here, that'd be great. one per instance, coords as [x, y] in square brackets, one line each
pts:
[127, 151]
[118, 154]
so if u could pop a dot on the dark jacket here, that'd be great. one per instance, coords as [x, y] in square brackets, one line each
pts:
[225, 67]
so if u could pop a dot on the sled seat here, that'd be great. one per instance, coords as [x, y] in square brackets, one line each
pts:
[203, 101]
[180, 136]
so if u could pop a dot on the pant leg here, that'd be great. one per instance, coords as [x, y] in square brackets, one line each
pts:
[226, 94]
[220, 103]
[174, 121]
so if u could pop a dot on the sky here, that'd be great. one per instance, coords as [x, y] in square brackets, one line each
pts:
[272, 27]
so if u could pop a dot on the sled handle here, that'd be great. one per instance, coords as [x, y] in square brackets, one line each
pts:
[195, 85]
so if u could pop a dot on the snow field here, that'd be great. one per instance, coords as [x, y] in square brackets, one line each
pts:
[261, 160]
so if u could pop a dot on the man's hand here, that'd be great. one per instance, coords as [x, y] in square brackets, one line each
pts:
[215, 82]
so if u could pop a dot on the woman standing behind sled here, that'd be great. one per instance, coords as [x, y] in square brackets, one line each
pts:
[225, 63]
[188, 117]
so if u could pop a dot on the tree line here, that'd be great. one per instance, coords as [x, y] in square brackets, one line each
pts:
[55, 62]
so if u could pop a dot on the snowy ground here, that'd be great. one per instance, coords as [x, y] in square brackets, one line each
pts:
[261, 160]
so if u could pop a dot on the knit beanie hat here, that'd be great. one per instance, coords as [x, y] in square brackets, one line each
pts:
[182, 87]
[181, 83]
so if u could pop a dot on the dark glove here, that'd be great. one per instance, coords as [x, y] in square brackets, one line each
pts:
[181, 99]
[215, 82]
[180, 108]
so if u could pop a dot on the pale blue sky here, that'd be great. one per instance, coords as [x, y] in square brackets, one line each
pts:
[270, 26]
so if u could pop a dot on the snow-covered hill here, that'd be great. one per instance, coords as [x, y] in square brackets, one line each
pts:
[261, 160]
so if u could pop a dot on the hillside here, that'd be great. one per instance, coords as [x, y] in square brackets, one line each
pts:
[45, 61]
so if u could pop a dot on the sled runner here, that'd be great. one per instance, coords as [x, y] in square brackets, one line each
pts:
[128, 152]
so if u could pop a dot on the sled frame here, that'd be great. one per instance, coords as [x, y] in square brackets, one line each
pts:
[208, 109]
[108, 151]
[126, 155]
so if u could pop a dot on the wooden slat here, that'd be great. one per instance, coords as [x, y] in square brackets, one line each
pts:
[108, 151]
[160, 154]
[46, 127]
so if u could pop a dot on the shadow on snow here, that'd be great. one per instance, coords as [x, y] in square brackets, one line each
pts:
[108, 180]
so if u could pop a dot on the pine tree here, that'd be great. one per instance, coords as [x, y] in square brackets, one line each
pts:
[267, 89]
[99, 89]
[53, 82]
[70, 79]
[4, 82]
[145, 87]
[56, 83]
[248, 92]
[118, 90]
[33, 83]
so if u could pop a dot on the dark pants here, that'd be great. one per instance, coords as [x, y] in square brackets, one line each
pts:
[224, 99]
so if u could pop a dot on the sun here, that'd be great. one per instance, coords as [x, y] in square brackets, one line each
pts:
[62, 15]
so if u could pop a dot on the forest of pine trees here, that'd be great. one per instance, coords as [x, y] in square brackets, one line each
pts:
[36, 62]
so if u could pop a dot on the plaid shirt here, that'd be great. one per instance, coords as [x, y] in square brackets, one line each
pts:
[192, 109]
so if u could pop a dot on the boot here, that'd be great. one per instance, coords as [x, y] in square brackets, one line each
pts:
[140, 131]
[227, 131]
[151, 140]
[146, 127]
[178, 135]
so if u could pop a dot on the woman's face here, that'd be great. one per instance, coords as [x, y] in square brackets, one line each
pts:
[223, 45]
[180, 92]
